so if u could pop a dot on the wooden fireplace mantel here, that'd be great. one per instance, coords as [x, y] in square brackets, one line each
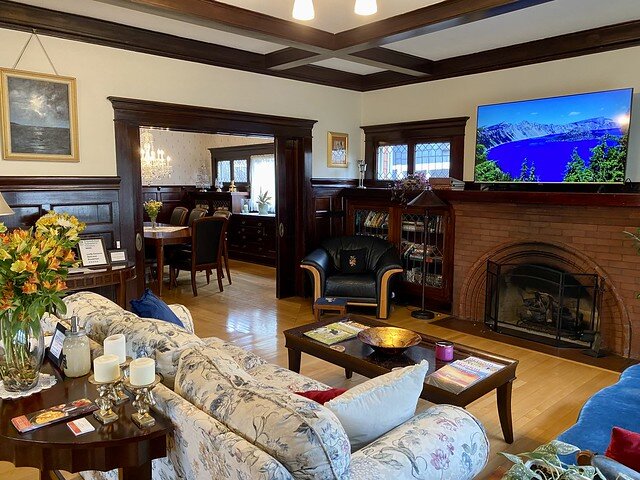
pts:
[544, 198]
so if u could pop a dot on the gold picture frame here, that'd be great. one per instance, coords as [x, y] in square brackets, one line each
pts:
[39, 116]
[337, 150]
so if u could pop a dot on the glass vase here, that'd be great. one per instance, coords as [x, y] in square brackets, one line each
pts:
[21, 352]
[154, 225]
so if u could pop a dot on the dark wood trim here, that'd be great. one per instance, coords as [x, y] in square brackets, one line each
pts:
[28, 184]
[239, 152]
[442, 126]
[290, 134]
[585, 42]
[357, 45]
[334, 182]
[544, 198]
[433, 18]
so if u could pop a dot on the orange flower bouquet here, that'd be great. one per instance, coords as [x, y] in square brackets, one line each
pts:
[34, 264]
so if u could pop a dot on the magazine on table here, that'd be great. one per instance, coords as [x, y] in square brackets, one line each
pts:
[336, 332]
[461, 374]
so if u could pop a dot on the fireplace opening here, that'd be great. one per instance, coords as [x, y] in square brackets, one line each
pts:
[542, 303]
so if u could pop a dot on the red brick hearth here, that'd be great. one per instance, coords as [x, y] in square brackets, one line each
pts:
[580, 239]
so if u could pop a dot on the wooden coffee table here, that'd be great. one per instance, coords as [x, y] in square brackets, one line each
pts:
[118, 445]
[362, 359]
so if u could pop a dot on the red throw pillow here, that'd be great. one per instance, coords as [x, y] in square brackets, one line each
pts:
[625, 448]
[322, 396]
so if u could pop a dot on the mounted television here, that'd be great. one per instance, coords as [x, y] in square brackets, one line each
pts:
[570, 139]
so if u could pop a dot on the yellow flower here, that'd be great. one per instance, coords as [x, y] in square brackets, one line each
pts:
[29, 288]
[54, 264]
[19, 266]
[4, 255]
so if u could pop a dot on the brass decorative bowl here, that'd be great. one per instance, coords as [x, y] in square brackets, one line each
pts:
[389, 340]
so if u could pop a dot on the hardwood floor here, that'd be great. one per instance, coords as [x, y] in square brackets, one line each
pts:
[547, 394]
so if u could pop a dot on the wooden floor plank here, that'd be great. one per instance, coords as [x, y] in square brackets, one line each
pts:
[547, 396]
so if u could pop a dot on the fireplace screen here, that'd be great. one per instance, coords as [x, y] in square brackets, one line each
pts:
[544, 304]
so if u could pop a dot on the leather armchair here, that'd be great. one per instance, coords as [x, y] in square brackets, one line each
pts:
[369, 288]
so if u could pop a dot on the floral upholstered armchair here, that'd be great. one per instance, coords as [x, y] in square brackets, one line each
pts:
[235, 416]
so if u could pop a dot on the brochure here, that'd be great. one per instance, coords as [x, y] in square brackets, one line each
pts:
[48, 416]
[336, 332]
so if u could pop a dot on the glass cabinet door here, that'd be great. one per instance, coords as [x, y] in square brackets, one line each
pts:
[371, 222]
[423, 249]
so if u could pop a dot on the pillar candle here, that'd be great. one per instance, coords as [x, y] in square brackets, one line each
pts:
[142, 371]
[106, 368]
[116, 345]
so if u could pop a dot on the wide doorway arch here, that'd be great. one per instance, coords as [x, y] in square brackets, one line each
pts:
[292, 138]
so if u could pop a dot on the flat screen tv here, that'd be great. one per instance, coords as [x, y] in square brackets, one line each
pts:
[570, 139]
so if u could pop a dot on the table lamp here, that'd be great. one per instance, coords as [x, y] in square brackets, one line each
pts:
[5, 209]
[426, 201]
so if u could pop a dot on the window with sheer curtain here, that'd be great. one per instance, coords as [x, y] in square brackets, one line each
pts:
[263, 179]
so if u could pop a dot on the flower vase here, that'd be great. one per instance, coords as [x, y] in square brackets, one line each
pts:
[263, 208]
[22, 352]
[154, 225]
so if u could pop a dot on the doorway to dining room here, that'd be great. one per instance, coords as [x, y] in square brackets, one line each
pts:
[292, 158]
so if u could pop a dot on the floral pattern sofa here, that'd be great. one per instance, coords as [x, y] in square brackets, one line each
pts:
[244, 422]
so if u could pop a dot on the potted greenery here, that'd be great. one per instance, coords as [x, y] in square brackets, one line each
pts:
[34, 264]
[263, 202]
[543, 464]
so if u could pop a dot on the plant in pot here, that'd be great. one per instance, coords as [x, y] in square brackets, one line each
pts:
[544, 464]
[263, 202]
[152, 207]
[34, 264]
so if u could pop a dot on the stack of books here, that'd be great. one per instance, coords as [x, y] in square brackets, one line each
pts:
[446, 183]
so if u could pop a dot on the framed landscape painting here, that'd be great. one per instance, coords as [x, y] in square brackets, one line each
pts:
[337, 149]
[39, 117]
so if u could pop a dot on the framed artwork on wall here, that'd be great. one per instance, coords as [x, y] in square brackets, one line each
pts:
[39, 116]
[337, 150]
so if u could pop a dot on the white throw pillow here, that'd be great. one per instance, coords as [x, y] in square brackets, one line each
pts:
[376, 406]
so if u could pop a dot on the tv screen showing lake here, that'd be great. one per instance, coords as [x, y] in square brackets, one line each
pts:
[575, 138]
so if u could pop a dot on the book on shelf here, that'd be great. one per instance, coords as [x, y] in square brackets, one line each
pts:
[462, 374]
[51, 415]
[336, 332]
[446, 183]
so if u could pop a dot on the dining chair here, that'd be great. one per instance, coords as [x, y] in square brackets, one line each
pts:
[207, 244]
[179, 216]
[195, 214]
[225, 253]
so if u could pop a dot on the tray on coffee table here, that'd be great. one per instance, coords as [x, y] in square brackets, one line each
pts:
[360, 358]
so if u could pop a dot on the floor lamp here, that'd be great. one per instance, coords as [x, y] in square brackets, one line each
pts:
[427, 200]
[5, 209]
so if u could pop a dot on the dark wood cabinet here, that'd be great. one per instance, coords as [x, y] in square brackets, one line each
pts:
[371, 212]
[252, 238]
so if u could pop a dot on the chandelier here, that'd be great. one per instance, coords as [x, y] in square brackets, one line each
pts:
[303, 9]
[154, 164]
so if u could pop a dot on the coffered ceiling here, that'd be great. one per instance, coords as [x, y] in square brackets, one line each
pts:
[407, 41]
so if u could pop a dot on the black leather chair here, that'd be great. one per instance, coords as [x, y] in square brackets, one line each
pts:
[179, 216]
[370, 287]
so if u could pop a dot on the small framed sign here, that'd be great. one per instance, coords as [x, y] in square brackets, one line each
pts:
[118, 256]
[93, 252]
[54, 352]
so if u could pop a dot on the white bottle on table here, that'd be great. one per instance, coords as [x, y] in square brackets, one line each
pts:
[76, 351]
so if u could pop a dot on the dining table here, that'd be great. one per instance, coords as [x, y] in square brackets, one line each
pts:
[160, 236]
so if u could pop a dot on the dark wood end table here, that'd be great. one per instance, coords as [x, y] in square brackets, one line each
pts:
[117, 276]
[118, 445]
[360, 358]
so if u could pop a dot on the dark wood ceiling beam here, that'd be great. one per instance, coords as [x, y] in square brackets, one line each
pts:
[384, 58]
[19, 16]
[230, 18]
[436, 17]
[586, 42]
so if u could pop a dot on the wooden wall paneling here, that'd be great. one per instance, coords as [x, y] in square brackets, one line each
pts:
[171, 196]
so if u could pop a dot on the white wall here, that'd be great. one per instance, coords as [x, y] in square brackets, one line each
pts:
[457, 97]
[102, 72]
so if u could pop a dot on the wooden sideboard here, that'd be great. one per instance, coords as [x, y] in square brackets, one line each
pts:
[252, 238]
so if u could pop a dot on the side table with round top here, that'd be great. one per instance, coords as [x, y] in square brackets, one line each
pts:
[118, 445]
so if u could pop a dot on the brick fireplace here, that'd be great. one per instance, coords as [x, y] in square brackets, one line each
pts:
[582, 234]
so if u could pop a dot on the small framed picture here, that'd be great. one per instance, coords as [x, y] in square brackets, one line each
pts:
[118, 256]
[93, 252]
[54, 352]
[337, 150]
